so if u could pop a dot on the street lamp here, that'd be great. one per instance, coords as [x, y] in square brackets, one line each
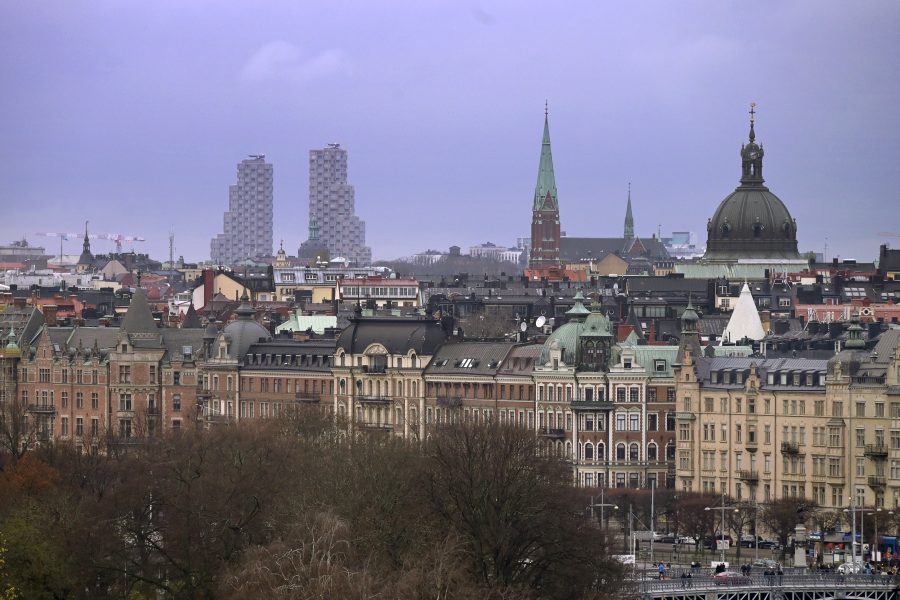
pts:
[722, 508]
[852, 511]
[602, 505]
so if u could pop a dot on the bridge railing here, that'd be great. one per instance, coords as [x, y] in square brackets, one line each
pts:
[759, 580]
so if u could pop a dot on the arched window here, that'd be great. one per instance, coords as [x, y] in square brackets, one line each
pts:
[620, 451]
[670, 451]
[588, 451]
[651, 451]
[634, 452]
[601, 451]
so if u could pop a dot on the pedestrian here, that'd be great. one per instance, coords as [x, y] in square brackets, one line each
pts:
[683, 580]
[662, 570]
[690, 581]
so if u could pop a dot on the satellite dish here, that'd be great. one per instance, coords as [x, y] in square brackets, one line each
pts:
[523, 326]
[540, 321]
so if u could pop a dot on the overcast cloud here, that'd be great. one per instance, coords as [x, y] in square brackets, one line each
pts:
[133, 115]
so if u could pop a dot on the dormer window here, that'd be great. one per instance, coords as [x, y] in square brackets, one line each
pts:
[626, 362]
[660, 366]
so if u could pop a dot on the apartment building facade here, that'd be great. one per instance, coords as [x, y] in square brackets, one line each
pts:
[759, 429]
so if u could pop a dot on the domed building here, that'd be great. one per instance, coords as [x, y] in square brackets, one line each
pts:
[751, 222]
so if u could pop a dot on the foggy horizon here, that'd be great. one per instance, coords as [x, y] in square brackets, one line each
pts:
[134, 117]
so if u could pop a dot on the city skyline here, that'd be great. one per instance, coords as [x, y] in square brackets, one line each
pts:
[443, 119]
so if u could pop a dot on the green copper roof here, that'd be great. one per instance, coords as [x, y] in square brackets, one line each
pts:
[545, 190]
[578, 310]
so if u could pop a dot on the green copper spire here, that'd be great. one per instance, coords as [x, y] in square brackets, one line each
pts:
[629, 219]
[11, 345]
[545, 190]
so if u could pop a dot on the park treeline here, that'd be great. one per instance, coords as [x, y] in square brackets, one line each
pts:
[298, 508]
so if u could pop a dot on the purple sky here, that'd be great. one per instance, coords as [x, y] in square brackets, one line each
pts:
[133, 115]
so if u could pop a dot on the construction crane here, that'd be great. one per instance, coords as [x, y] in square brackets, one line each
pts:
[117, 238]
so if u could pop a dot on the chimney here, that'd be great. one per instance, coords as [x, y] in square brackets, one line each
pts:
[50, 311]
[20, 302]
[208, 281]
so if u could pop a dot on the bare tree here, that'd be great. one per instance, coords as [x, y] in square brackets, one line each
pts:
[20, 425]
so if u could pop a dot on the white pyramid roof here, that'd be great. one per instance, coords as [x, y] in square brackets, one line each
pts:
[744, 321]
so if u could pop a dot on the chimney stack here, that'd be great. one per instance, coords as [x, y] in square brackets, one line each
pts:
[50, 311]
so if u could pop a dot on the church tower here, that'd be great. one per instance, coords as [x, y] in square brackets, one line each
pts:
[629, 220]
[545, 231]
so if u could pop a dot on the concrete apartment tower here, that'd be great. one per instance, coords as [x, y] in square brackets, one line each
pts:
[333, 224]
[248, 220]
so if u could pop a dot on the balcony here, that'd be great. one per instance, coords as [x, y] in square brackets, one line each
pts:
[751, 477]
[374, 426]
[218, 419]
[374, 399]
[876, 451]
[790, 448]
[591, 405]
[554, 434]
[43, 409]
[876, 481]
[751, 446]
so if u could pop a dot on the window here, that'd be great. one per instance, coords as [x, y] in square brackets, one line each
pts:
[652, 452]
[634, 452]
[670, 394]
[860, 409]
[79, 400]
[176, 402]
[879, 409]
[125, 404]
[837, 408]
[819, 408]
[620, 394]
[176, 377]
[79, 426]
[684, 432]
[651, 395]
[860, 437]
[95, 426]
[620, 452]
[737, 433]
[659, 366]
[834, 436]
[124, 374]
[95, 401]
[652, 422]
[64, 399]
[620, 422]
[64, 422]
[767, 463]
[635, 395]
[708, 405]
[634, 422]
[152, 373]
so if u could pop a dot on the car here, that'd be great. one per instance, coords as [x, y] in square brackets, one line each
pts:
[849, 568]
[768, 545]
[766, 563]
[730, 578]
[667, 539]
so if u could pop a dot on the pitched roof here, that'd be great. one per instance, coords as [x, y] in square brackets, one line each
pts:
[138, 320]
[469, 358]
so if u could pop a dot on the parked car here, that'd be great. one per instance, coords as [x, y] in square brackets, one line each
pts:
[667, 539]
[768, 544]
[730, 578]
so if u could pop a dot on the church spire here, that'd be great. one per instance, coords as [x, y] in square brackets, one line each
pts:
[629, 218]
[545, 190]
[751, 156]
[545, 230]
